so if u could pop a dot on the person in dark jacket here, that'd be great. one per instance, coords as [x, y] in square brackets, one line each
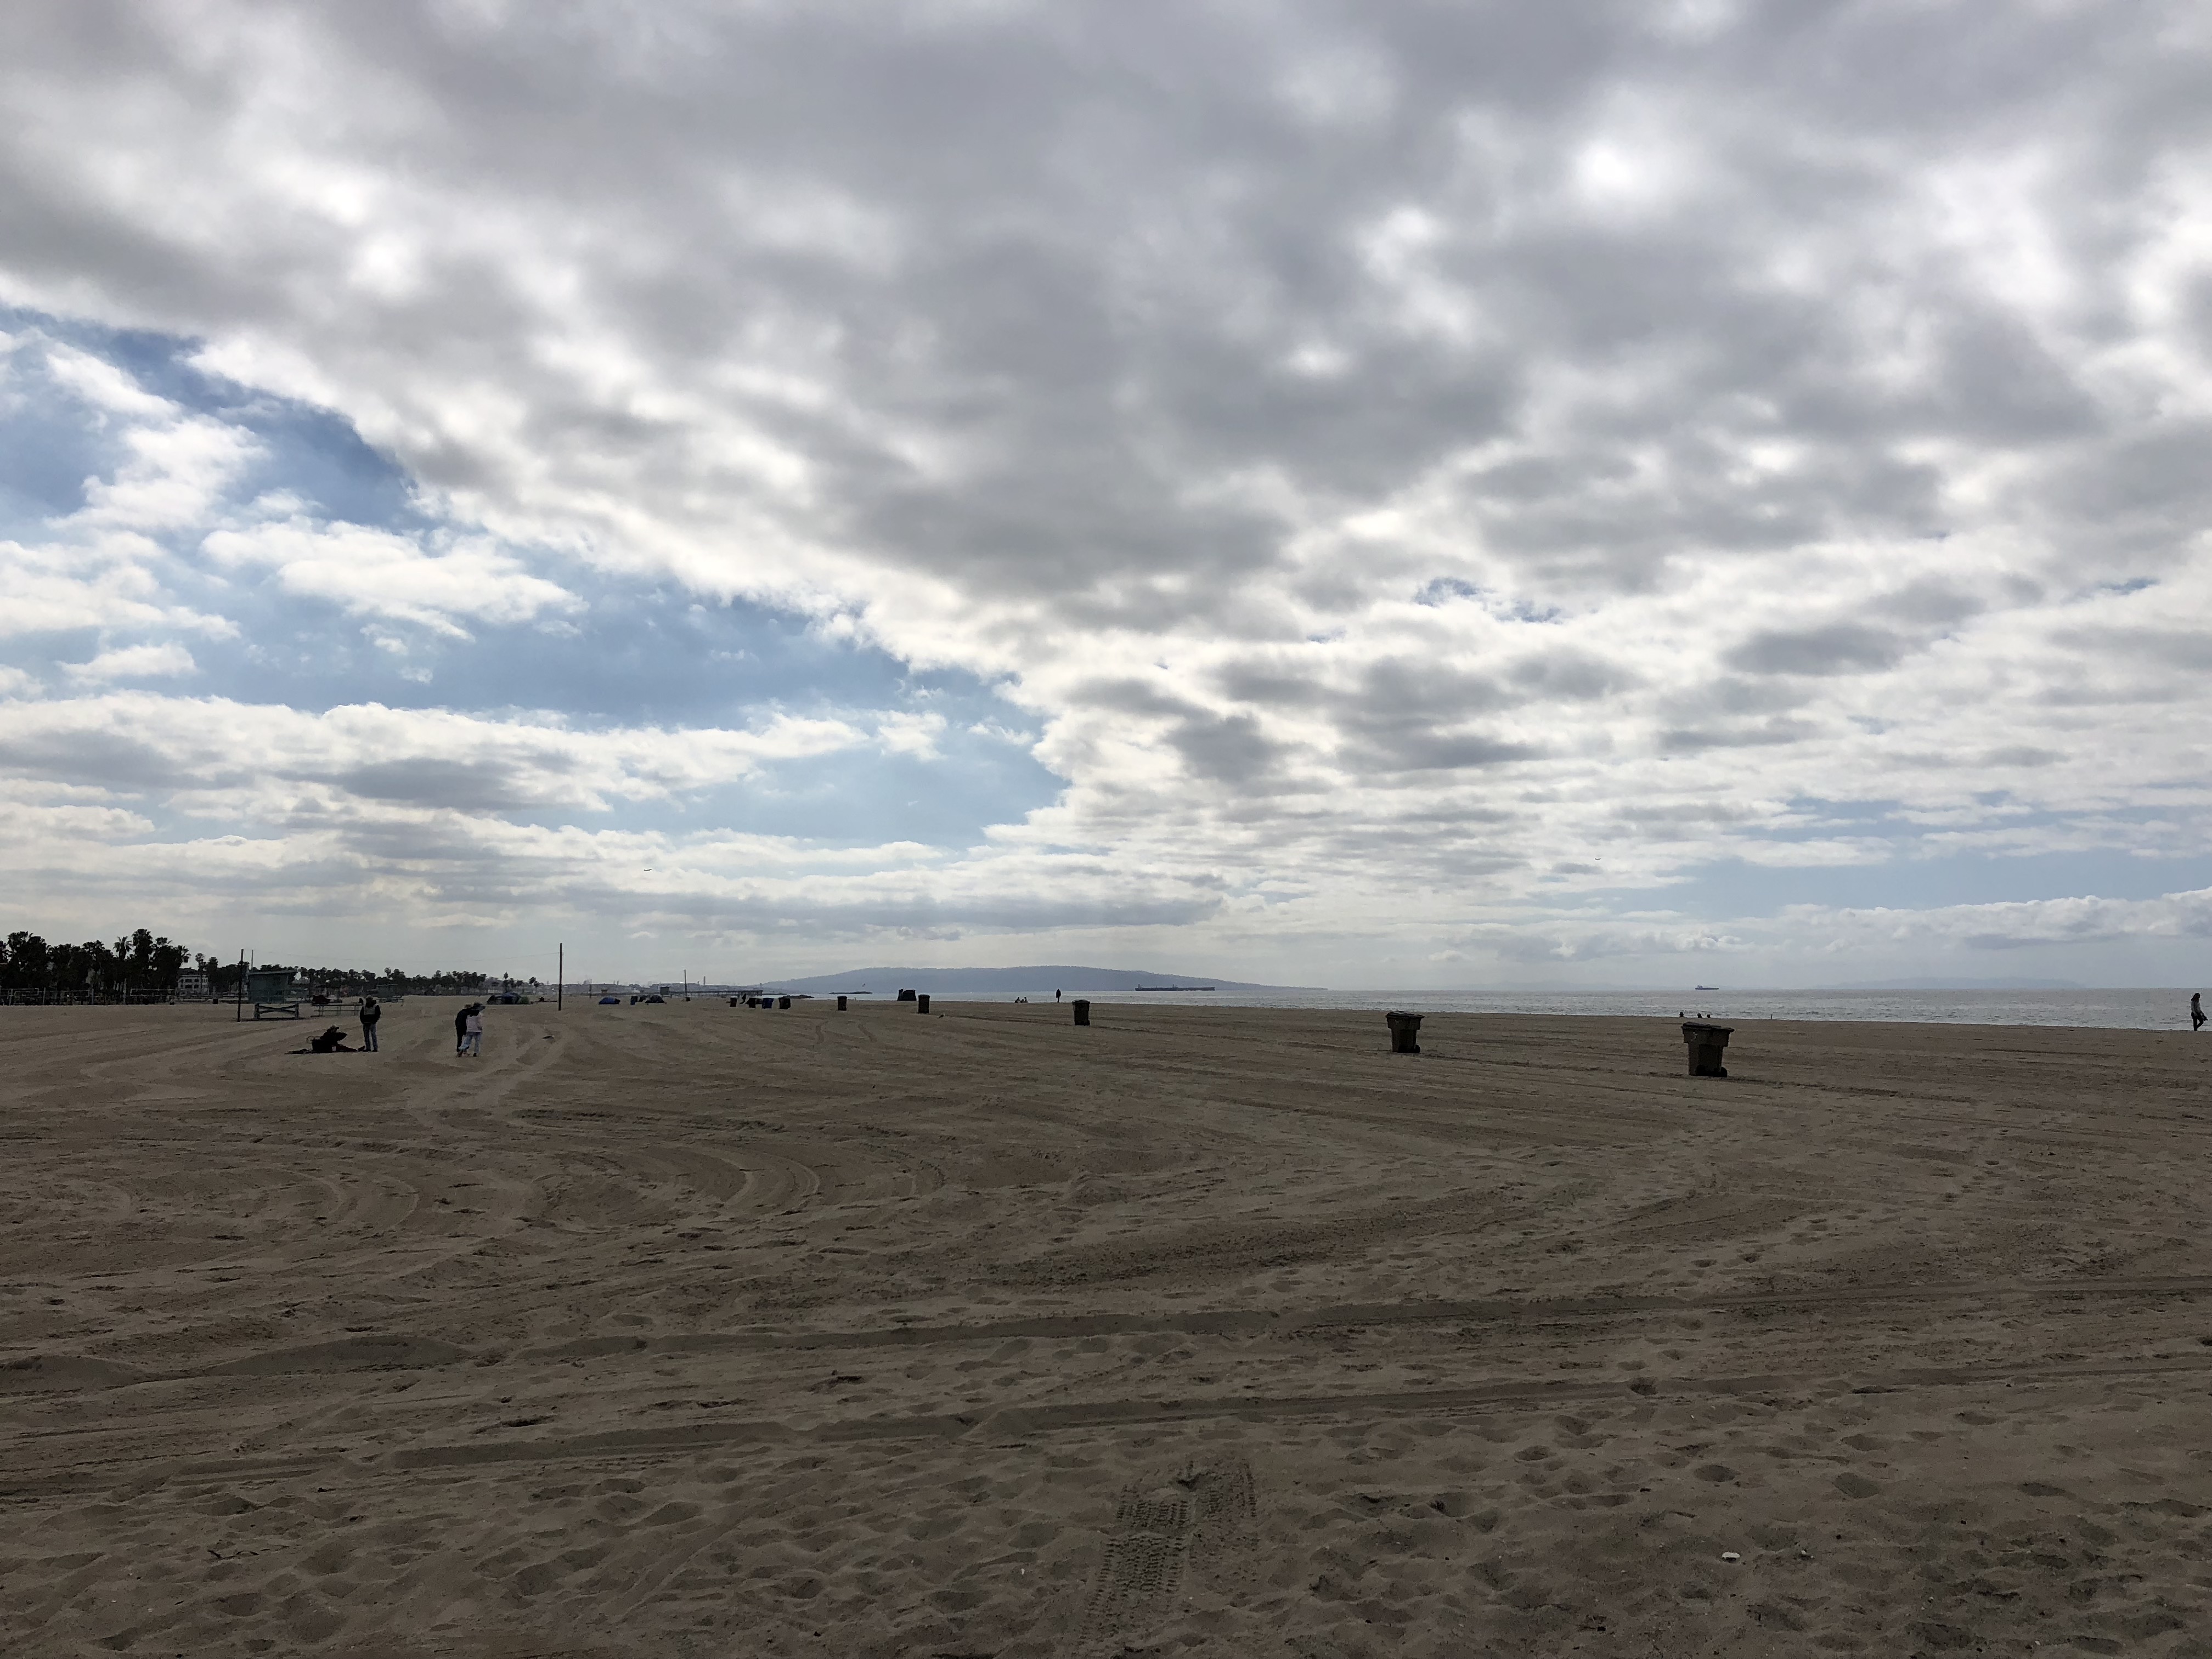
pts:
[461, 1029]
[371, 1011]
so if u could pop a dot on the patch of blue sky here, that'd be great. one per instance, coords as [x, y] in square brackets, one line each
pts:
[1734, 888]
[44, 462]
[1822, 820]
[632, 655]
[314, 453]
[1444, 590]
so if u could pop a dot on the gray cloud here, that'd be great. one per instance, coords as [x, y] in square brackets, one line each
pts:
[1835, 648]
[460, 785]
[107, 759]
[1331, 423]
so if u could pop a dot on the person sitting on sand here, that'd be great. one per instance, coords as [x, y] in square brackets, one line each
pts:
[332, 1042]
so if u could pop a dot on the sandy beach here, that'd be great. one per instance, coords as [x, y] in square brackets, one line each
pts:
[694, 1330]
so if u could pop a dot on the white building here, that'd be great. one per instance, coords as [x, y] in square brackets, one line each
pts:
[191, 987]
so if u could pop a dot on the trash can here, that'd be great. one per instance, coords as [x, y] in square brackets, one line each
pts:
[1705, 1042]
[1405, 1032]
[906, 996]
[734, 1002]
[922, 1002]
[1082, 1010]
[841, 1005]
[783, 1002]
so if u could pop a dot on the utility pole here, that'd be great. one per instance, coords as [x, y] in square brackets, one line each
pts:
[559, 976]
[240, 1013]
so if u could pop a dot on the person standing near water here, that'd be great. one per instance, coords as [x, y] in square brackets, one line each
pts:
[2197, 1010]
[371, 1011]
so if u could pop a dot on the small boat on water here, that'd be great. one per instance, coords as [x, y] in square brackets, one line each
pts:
[1705, 988]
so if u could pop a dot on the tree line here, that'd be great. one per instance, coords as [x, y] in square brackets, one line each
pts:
[139, 964]
[223, 978]
[144, 965]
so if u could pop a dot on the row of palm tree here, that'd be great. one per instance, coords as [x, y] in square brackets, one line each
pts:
[144, 966]
[139, 964]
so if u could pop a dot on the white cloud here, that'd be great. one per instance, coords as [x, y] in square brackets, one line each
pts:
[2022, 926]
[136, 662]
[1476, 455]
[912, 735]
[101, 384]
[112, 583]
[214, 756]
[376, 573]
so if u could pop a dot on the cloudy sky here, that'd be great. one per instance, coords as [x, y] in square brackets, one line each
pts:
[1379, 494]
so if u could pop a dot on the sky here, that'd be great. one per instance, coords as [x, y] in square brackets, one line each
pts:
[1394, 495]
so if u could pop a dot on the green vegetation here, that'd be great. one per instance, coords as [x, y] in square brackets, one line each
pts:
[144, 967]
[223, 979]
[139, 965]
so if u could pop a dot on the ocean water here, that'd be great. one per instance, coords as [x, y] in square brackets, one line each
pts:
[2148, 1010]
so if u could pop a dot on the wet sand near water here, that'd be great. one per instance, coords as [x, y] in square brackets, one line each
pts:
[694, 1330]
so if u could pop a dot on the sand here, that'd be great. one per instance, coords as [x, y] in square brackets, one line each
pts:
[689, 1330]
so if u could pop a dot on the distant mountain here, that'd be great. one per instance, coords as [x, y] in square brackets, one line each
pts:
[1956, 985]
[1011, 981]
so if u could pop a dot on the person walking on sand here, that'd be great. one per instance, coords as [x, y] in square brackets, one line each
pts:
[371, 1011]
[472, 1043]
[2197, 1010]
[461, 1030]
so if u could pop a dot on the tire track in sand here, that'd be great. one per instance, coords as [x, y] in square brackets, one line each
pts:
[1019, 1421]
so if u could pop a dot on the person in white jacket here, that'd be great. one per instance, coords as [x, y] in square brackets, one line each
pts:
[472, 1033]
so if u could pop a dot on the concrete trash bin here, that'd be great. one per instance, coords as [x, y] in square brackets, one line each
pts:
[841, 1005]
[1706, 1042]
[922, 1002]
[1405, 1033]
[1082, 1010]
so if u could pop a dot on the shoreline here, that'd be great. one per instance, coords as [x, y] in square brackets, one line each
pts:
[2139, 1009]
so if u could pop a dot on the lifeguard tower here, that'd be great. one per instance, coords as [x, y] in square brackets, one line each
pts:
[272, 994]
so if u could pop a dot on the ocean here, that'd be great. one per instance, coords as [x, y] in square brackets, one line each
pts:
[2146, 1009]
